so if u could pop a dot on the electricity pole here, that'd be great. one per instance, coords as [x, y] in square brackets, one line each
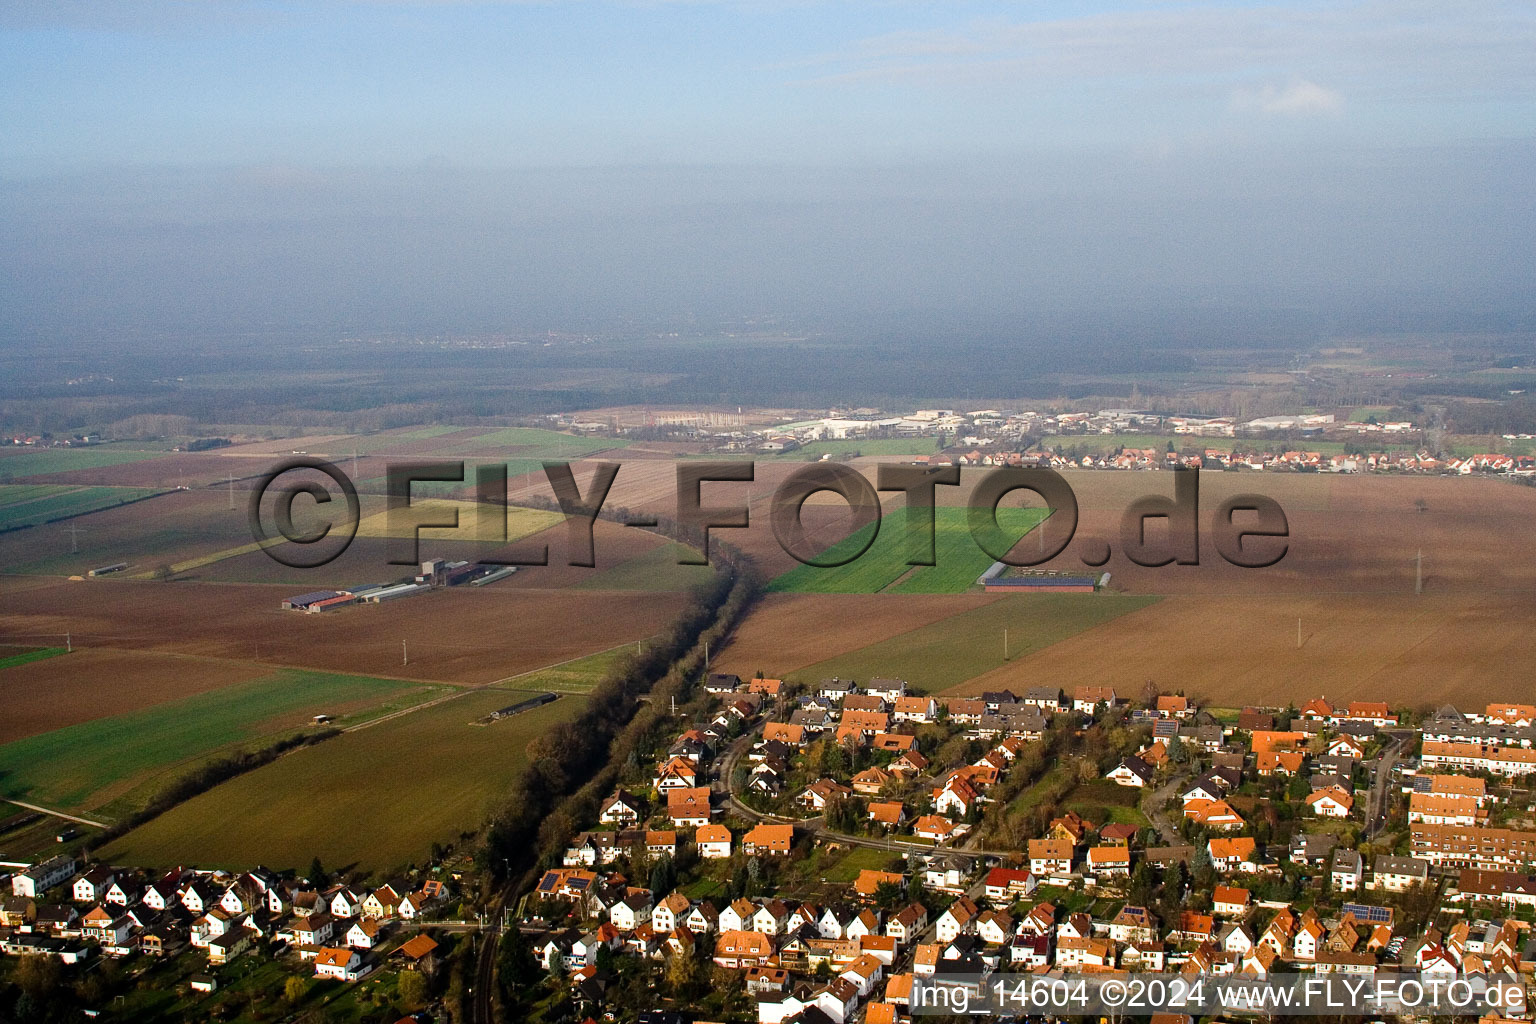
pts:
[74, 545]
[405, 657]
[231, 490]
[1418, 573]
[1005, 643]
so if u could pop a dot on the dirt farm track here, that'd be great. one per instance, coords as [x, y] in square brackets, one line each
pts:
[451, 636]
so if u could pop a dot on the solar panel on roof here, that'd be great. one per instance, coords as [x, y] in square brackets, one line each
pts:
[1369, 914]
[1422, 783]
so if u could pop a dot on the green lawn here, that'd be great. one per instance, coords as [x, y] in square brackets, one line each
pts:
[944, 654]
[36, 654]
[38, 504]
[377, 798]
[1102, 801]
[63, 460]
[861, 858]
[959, 561]
[89, 765]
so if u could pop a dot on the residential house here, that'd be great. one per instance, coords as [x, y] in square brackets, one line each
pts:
[1230, 901]
[1132, 771]
[1347, 870]
[688, 807]
[771, 840]
[1397, 874]
[620, 809]
[713, 841]
[339, 963]
[1238, 854]
[741, 949]
[1050, 857]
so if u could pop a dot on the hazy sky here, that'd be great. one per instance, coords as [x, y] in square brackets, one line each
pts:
[217, 158]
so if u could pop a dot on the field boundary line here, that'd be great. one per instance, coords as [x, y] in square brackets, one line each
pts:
[57, 814]
[579, 657]
[481, 688]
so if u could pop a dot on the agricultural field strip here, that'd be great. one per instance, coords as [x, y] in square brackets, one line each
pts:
[883, 567]
[92, 822]
[945, 654]
[63, 460]
[134, 745]
[348, 800]
[16, 494]
[64, 501]
[27, 657]
[462, 689]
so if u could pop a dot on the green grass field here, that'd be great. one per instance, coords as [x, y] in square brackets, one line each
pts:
[98, 764]
[1365, 412]
[959, 560]
[656, 570]
[33, 504]
[63, 460]
[946, 653]
[27, 656]
[376, 798]
[857, 859]
[1102, 801]
[577, 676]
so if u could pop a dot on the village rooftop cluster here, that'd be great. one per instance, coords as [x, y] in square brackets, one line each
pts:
[1338, 837]
[74, 913]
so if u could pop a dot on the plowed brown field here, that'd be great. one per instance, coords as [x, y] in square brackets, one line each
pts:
[460, 635]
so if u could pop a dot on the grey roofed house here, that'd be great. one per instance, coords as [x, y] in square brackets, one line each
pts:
[811, 718]
[1043, 696]
[1024, 718]
[1208, 736]
[1138, 767]
[827, 687]
[1358, 730]
[890, 688]
[1332, 780]
[1233, 777]
[1481, 732]
[1165, 855]
[990, 725]
[1312, 847]
[1387, 864]
[1341, 764]
[1448, 713]
[1345, 859]
[995, 699]
[722, 682]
